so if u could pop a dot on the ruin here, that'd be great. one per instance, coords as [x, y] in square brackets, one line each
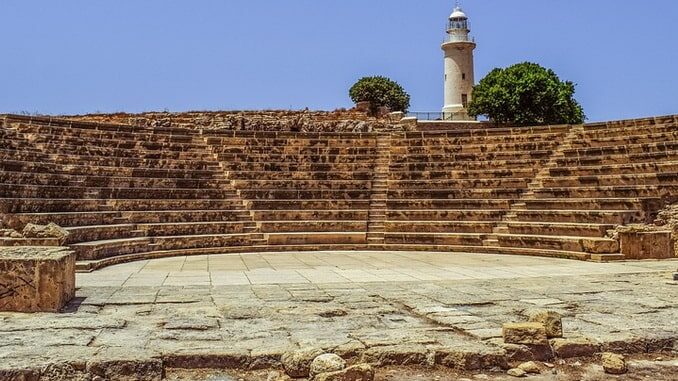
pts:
[88, 192]
[124, 192]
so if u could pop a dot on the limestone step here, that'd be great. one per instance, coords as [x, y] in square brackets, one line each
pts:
[613, 217]
[100, 170]
[445, 215]
[612, 180]
[311, 226]
[439, 226]
[557, 229]
[307, 204]
[295, 174]
[624, 149]
[493, 173]
[607, 257]
[423, 203]
[46, 191]
[109, 248]
[630, 191]
[566, 243]
[286, 194]
[310, 215]
[307, 238]
[501, 193]
[194, 228]
[470, 239]
[102, 232]
[490, 250]
[616, 169]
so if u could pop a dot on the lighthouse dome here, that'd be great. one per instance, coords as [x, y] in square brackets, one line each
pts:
[458, 13]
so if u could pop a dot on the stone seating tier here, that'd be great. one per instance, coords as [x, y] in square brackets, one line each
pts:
[127, 192]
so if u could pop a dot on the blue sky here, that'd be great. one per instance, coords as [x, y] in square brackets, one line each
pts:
[79, 56]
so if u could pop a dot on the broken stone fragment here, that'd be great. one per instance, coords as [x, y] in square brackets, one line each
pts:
[516, 372]
[326, 363]
[614, 363]
[524, 333]
[530, 367]
[360, 372]
[297, 364]
[50, 230]
[10, 233]
[574, 347]
[552, 321]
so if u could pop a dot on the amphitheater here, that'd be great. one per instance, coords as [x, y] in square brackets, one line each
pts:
[141, 189]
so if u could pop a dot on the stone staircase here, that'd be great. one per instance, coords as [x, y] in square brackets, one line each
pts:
[257, 239]
[502, 226]
[379, 195]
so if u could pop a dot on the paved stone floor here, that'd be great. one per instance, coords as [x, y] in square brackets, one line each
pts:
[387, 308]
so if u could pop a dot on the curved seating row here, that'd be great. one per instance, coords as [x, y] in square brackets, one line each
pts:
[128, 192]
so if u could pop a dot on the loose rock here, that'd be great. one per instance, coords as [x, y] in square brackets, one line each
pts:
[530, 367]
[516, 372]
[614, 363]
[551, 320]
[524, 333]
[360, 372]
[50, 230]
[298, 363]
[574, 347]
[326, 363]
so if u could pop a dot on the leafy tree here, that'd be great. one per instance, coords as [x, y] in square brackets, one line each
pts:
[380, 91]
[526, 94]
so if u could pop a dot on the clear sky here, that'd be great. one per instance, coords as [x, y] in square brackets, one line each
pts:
[79, 56]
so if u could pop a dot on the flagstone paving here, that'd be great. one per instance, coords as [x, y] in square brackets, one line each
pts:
[244, 311]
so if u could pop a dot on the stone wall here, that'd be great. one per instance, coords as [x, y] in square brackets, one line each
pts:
[274, 120]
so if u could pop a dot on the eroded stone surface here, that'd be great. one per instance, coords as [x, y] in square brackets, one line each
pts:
[198, 326]
[613, 363]
[36, 279]
[531, 333]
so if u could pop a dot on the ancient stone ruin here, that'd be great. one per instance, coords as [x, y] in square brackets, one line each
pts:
[125, 192]
[84, 193]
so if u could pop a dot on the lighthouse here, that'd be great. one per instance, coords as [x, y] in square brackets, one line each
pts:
[459, 73]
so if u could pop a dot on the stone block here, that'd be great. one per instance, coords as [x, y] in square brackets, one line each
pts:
[298, 363]
[36, 279]
[574, 347]
[360, 372]
[647, 244]
[551, 320]
[524, 333]
[614, 363]
[326, 363]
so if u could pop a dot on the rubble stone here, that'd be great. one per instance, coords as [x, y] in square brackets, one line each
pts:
[530, 367]
[516, 372]
[551, 320]
[298, 363]
[574, 347]
[614, 363]
[326, 363]
[360, 372]
[524, 333]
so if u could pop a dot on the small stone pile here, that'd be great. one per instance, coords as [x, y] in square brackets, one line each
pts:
[544, 332]
[318, 366]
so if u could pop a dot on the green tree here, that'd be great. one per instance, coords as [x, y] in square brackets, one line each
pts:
[526, 94]
[380, 91]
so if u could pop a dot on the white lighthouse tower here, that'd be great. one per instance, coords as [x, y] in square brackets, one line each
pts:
[459, 73]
